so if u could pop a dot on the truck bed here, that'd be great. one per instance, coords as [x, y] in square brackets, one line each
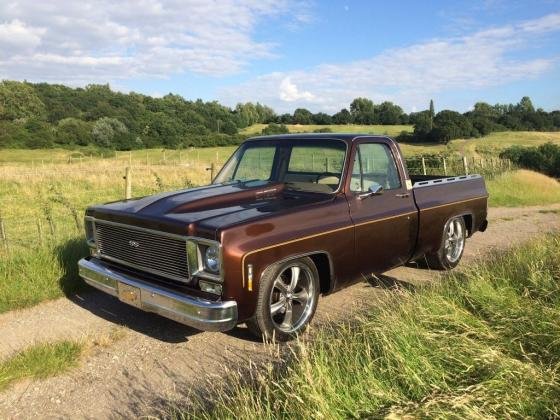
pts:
[440, 197]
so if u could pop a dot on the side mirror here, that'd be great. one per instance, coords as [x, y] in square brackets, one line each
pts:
[374, 189]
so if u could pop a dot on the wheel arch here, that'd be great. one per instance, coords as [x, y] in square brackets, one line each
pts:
[323, 262]
[468, 218]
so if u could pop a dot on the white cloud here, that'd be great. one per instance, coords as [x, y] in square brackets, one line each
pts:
[17, 36]
[289, 92]
[107, 40]
[409, 75]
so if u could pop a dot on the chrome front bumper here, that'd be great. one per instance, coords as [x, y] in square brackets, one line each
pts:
[195, 312]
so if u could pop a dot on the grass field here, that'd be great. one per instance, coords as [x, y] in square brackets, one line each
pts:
[523, 188]
[39, 158]
[493, 143]
[481, 344]
[387, 130]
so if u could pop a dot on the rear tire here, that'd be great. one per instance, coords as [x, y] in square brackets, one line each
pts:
[287, 299]
[452, 246]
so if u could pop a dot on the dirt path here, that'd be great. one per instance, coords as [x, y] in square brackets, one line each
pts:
[158, 359]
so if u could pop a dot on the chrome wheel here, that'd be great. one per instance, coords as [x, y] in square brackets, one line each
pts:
[292, 298]
[454, 240]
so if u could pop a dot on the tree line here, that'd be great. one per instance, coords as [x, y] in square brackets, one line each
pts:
[41, 115]
[483, 119]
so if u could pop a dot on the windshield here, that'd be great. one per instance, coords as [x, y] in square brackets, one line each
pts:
[307, 165]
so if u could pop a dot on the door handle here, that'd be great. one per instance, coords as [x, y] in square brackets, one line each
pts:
[403, 195]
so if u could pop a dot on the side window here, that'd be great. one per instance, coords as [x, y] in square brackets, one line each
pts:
[374, 163]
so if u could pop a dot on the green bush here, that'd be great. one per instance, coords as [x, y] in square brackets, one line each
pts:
[273, 128]
[544, 158]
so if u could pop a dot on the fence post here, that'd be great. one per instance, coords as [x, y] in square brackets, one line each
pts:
[211, 169]
[482, 163]
[40, 232]
[128, 183]
[509, 165]
[444, 167]
[326, 164]
[51, 225]
[423, 165]
[465, 165]
[3, 233]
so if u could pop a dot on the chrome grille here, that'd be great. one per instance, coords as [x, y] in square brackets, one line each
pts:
[153, 252]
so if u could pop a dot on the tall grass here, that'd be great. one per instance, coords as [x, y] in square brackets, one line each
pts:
[523, 188]
[30, 276]
[40, 361]
[480, 344]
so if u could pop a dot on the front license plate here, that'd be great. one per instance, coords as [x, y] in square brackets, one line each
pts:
[129, 294]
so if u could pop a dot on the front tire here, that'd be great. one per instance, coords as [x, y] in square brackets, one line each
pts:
[287, 300]
[452, 246]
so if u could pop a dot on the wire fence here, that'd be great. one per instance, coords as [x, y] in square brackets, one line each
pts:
[45, 206]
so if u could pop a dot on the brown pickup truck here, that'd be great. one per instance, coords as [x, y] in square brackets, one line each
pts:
[287, 218]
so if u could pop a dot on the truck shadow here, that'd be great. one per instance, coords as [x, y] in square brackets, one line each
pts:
[108, 307]
[420, 264]
[384, 281]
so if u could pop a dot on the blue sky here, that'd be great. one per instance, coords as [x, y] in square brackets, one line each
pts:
[292, 53]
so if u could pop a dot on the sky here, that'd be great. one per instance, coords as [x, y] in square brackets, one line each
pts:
[292, 53]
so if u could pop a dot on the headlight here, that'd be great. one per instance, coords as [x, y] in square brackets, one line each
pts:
[212, 258]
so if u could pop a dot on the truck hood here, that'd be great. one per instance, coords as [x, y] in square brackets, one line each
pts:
[203, 211]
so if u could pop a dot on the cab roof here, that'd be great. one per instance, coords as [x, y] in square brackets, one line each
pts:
[347, 137]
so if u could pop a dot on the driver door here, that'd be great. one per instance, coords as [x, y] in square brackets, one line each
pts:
[384, 224]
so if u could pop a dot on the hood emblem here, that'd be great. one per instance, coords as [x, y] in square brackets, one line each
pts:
[134, 244]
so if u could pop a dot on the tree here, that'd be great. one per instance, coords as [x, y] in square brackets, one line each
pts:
[19, 101]
[422, 125]
[39, 134]
[484, 118]
[229, 127]
[362, 111]
[72, 131]
[302, 116]
[525, 105]
[342, 117]
[388, 113]
[285, 119]
[106, 132]
[432, 114]
[321, 118]
[450, 125]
